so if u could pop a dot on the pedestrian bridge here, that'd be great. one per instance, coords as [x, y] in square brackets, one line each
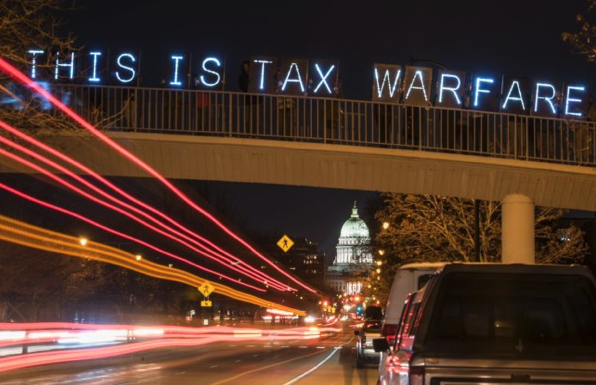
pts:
[519, 160]
[335, 143]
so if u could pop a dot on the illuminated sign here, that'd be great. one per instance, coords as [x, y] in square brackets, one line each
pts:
[264, 76]
[450, 90]
[417, 83]
[295, 76]
[323, 79]
[484, 93]
[386, 83]
[391, 83]
[515, 95]
[545, 99]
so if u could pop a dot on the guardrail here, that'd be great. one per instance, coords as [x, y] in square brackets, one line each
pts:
[337, 121]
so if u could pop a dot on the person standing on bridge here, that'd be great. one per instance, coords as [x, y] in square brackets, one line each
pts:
[333, 114]
[285, 109]
[244, 78]
[250, 117]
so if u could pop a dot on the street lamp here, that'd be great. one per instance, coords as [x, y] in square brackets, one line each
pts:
[379, 263]
[138, 257]
[381, 252]
[385, 225]
[83, 241]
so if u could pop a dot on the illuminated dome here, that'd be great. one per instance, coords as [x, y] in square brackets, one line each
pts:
[354, 227]
[353, 256]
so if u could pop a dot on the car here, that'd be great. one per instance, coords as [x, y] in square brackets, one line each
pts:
[493, 324]
[371, 329]
[373, 312]
[408, 278]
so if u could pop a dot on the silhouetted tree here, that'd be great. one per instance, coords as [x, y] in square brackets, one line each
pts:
[583, 41]
[424, 228]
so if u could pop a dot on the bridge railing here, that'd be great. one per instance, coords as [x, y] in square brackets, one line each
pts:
[337, 121]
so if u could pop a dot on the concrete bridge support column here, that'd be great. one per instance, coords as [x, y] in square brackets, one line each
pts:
[517, 229]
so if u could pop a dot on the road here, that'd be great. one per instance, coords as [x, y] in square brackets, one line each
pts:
[329, 361]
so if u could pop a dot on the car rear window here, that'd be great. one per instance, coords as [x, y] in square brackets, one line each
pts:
[423, 279]
[515, 314]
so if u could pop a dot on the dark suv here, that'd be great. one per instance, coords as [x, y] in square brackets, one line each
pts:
[497, 324]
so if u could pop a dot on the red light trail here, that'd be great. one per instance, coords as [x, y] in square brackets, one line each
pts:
[101, 202]
[115, 232]
[22, 78]
[154, 337]
[269, 280]
[59, 180]
[260, 277]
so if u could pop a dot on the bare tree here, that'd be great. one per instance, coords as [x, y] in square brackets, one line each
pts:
[37, 284]
[27, 24]
[424, 228]
[583, 41]
[35, 24]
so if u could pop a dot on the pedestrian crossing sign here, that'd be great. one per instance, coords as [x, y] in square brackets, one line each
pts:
[285, 243]
[206, 288]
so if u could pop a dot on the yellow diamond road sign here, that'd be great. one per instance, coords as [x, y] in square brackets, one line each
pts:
[206, 289]
[285, 243]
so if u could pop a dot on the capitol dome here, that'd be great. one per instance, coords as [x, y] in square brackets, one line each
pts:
[354, 227]
[353, 256]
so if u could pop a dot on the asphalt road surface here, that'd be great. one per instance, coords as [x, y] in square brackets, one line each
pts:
[326, 361]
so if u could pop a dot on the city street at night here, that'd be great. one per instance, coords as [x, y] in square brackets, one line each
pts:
[313, 193]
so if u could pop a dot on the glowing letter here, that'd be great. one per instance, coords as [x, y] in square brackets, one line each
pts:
[58, 65]
[417, 74]
[34, 52]
[573, 100]
[480, 90]
[324, 78]
[94, 77]
[132, 71]
[262, 80]
[547, 99]
[217, 63]
[297, 80]
[452, 89]
[386, 78]
[176, 59]
[518, 98]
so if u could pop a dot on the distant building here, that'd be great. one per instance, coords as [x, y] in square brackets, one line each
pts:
[303, 259]
[352, 255]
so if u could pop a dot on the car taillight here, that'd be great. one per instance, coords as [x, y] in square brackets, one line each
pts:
[388, 330]
[416, 375]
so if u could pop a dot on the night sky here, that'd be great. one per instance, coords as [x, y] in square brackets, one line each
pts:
[512, 37]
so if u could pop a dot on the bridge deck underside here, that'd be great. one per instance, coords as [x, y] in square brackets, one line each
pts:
[334, 166]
